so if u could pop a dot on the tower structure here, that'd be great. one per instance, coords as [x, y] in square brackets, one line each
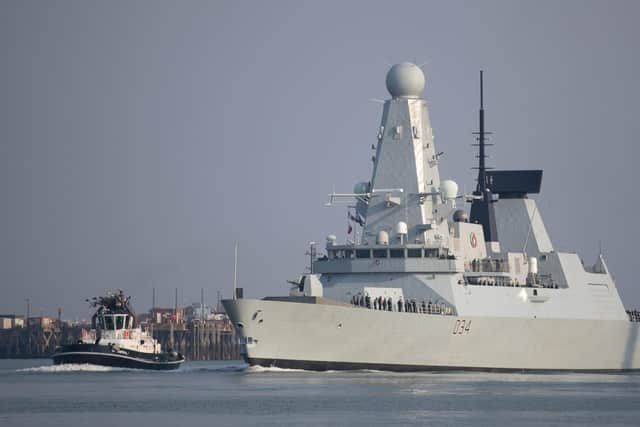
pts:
[405, 182]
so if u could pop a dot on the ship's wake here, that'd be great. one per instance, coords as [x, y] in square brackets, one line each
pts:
[71, 367]
[274, 369]
[222, 368]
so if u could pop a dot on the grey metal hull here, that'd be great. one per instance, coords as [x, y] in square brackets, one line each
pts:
[337, 337]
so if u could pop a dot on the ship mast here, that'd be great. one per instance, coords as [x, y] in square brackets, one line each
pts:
[482, 169]
[482, 211]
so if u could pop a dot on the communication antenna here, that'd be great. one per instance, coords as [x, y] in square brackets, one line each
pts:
[482, 144]
[202, 305]
[482, 210]
[175, 306]
[235, 270]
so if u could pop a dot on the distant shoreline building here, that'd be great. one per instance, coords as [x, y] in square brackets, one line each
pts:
[10, 321]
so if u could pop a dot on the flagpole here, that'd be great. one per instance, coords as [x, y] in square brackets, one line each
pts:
[235, 270]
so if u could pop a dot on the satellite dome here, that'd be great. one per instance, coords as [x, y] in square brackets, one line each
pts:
[449, 189]
[401, 228]
[460, 216]
[405, 80]
[383, 238]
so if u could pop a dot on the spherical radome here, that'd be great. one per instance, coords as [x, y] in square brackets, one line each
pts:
[405, 80]
[449, 189]
[402, 228]
[460, 216]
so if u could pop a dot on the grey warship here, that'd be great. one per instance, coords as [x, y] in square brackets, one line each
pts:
[430, 286]
[116, 340]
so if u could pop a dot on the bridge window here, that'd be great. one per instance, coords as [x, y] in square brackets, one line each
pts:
[431, 253]
[108, 322]
[396, 253]
[119, 322]
[363, 253]
[414, 253]
[379, 253]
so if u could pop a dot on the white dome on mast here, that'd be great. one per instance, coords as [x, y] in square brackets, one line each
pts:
[405, 80]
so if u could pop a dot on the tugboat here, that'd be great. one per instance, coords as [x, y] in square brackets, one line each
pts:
[117, 340]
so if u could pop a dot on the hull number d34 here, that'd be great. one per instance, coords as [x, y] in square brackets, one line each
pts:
[462, 327]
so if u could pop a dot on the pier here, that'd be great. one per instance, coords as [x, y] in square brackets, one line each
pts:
[209, 340]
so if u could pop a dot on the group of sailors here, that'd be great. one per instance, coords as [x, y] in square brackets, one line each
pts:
[407, 305]
[634, 315]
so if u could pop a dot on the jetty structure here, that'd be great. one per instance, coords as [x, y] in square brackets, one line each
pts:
[430, 286]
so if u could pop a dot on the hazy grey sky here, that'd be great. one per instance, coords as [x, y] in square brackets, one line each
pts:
[140, 139]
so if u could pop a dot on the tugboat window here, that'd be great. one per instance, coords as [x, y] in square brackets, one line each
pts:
[119, 322]
[108, 322]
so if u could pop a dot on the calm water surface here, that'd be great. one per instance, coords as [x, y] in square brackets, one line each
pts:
[34, 393]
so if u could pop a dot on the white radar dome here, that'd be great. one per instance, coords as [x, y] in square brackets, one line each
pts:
[401, 228]
[383, 238]
[449, 189]
[405, 80]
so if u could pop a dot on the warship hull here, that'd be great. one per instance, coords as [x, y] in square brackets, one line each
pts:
[108, 356]
[341, 337]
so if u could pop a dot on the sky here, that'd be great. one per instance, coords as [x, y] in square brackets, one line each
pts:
[139, 140]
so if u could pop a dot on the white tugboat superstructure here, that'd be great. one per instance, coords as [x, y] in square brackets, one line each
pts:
[427, 288]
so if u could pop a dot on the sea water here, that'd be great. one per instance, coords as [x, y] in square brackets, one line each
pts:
[35, 393]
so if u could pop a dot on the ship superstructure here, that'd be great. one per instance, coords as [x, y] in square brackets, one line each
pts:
[427, 286]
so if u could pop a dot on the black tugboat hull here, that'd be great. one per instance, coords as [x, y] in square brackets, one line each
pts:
[107, 356]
